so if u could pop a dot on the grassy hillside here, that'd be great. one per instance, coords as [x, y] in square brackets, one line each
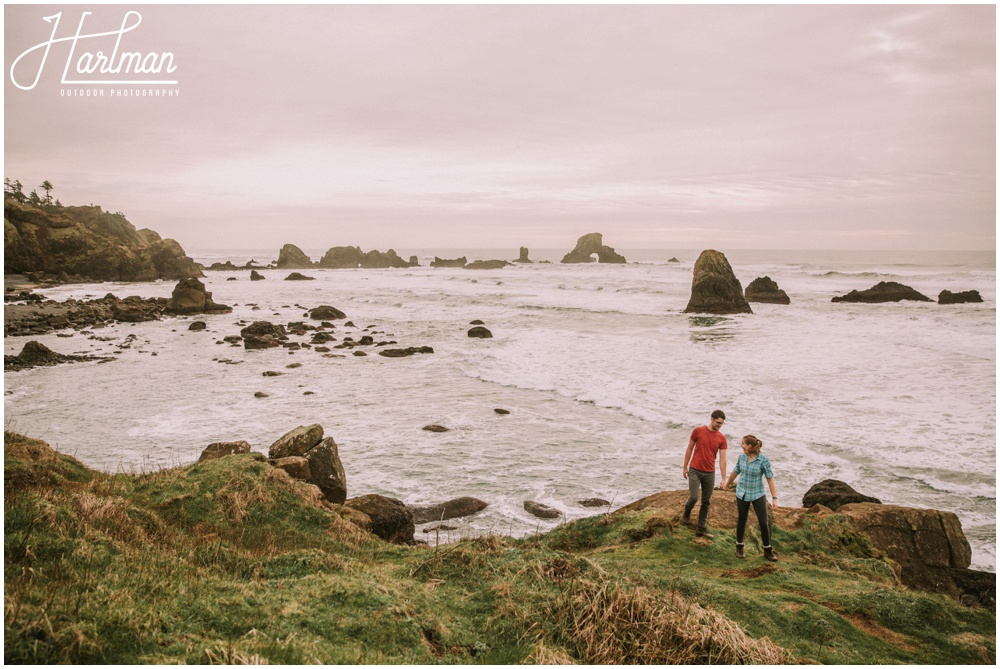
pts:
[231, 561]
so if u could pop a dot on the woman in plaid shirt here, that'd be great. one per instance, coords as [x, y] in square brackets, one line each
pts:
[752, 467]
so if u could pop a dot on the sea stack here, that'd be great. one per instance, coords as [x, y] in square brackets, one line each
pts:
[714, 288]
[291, 257]
[589, 245]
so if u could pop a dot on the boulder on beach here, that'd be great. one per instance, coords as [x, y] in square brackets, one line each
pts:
[391, 520]
[197, 326]
[883, 291]
[833, 494]
[326, 313]
[326, 471]
[35, 354]
[434, 428]
[262, 334]
[764, 289]
[540, 510]
[458, 507]
[590, 245]
[295, 276]
[948, 297]
[523, 257]
[444, 262]
[190, 297]
[291, 257]
[480, 332]
[295, 466]
[296, 442]
[221, 449]
[715, 288]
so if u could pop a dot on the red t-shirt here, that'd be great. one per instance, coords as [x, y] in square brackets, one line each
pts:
[706, 445]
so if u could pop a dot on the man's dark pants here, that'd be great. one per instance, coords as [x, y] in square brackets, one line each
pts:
[706, 482]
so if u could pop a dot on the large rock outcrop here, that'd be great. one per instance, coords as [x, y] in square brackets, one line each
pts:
[523, 257]
[924, 544]
[589, 245]
[291, 257]
[452, 262]
[190, 297]
[35, 354]
[883, 291]
[764, 289]
[88, 244]
[715, 288]
[342, 257]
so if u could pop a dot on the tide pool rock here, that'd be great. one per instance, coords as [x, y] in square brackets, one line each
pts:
[326, 313]
[480, 332]
[391, 520]
[458, 507]
[589, 245]
[540, 510]
[256, 276]
[221, 449]
[296, 276]
[883, 291]
[405, 352]
[764, 289]
[36, 354]
[715, 288]
[948, 297]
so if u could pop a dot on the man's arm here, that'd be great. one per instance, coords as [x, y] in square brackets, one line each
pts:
[722, 462]
[687, 457]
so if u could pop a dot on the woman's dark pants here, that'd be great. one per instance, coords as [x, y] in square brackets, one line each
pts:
[743, 510]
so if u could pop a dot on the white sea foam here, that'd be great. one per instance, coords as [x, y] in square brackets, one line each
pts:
[602, 371]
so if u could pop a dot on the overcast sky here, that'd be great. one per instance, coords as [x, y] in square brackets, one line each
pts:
[674, 127]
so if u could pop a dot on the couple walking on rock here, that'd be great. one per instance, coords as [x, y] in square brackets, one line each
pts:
[752, 467]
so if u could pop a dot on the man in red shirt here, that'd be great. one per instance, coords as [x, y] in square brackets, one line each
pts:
[706, 441]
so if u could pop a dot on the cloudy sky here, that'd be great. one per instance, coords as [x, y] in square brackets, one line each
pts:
[674, 127]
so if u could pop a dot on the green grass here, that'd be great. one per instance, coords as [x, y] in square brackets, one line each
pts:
[230, 561]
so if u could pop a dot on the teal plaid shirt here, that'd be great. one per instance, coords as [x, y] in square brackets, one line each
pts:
[750, 485]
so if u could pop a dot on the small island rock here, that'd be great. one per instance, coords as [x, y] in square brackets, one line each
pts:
[948, 297]
[883, 291]
[764, 289]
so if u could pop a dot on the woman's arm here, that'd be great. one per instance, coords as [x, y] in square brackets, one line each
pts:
[774, 494]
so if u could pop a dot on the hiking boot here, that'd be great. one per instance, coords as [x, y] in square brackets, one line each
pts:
[686, 519]
[769, 554]
[704, 534]
[739, 551]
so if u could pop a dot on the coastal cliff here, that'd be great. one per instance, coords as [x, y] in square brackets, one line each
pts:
[231, 560]
[87, 244]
